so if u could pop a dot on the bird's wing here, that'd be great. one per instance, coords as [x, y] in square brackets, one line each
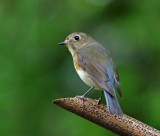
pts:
[98, 64]
[117, 82]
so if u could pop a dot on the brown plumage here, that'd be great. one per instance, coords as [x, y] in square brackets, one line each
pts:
[95, 67]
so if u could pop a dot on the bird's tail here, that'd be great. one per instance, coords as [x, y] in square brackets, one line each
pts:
[113, 104]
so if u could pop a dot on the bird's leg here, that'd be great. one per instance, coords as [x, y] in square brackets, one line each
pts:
[82, 96]
[100, 98]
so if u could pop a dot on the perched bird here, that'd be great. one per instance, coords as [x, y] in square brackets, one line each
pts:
[95, 67]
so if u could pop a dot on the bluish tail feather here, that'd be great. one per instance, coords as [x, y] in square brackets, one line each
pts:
[113, 104]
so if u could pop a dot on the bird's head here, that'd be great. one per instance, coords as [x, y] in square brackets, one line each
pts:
[75, 41]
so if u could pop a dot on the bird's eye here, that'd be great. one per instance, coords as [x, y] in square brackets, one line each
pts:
[77, 37]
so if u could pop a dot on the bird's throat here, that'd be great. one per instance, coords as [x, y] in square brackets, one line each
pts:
[71, 49]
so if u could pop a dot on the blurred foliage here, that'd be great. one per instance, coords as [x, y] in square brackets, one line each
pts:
[34, 70]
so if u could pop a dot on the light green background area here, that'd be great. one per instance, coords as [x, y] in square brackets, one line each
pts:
[34, 70]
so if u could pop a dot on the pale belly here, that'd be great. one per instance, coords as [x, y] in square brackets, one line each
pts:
[87, 79]
[83, 75]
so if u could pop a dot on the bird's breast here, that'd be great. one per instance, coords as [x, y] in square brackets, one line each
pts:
[76, 63]
[83, 74]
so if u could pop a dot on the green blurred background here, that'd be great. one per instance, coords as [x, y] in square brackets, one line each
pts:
[34, 70]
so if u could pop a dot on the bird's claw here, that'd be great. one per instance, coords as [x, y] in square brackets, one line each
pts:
[98, 101]
[80, 96]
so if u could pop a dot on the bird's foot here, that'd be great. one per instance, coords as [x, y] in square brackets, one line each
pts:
[80, 96]
[99, 101]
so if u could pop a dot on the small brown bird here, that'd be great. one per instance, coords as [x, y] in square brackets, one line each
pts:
[95, 67]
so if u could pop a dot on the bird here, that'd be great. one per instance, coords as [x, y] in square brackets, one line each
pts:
[95, 66]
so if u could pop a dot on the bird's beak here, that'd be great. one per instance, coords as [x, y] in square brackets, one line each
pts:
[62, 43]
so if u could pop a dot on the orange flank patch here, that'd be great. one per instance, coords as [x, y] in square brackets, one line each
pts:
[76, 64]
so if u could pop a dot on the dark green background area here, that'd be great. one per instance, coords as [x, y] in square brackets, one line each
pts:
[34, 70]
